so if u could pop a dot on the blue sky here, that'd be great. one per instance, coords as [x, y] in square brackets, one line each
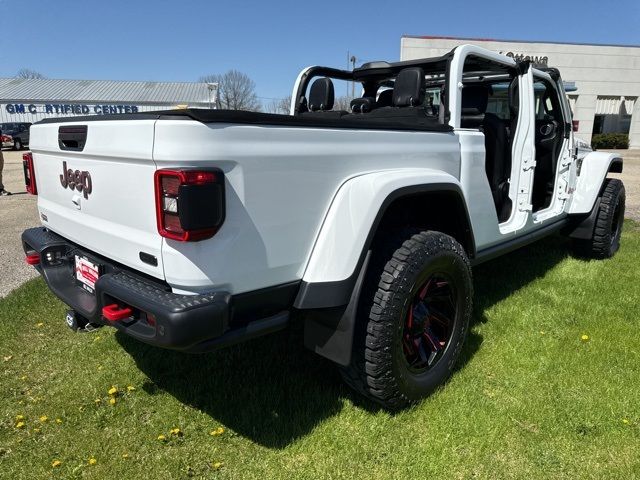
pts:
[272, 41]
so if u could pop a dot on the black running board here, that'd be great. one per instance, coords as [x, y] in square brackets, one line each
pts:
[494, 251]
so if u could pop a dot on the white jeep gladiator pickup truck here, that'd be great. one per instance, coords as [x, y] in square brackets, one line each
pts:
[195, 229]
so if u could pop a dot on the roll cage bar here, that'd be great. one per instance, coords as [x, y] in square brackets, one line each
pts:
[464, 62]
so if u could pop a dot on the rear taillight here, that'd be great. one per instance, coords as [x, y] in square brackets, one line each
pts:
[29, 173]
[32, 258]
[189, 203]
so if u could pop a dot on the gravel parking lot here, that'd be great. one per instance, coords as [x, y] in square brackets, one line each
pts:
[18, 212]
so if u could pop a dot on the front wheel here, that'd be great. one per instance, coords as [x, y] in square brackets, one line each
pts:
[412, 322]
[605, 240]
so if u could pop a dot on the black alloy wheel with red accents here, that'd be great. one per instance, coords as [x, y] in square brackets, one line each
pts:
[412, 319]
[429, 323]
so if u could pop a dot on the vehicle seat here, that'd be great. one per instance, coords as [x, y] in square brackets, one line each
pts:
[363, 105]
[321, 95]
[407, 97]
[408, 90]
[321, 99]
[498, 160]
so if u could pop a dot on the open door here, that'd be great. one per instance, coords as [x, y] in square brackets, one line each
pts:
[523, 152]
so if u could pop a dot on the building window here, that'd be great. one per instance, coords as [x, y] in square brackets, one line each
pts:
[613, 114]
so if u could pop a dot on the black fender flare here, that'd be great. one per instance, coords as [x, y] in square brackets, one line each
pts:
[330, 308]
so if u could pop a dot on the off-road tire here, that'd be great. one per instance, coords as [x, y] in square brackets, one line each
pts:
[605, 240]
[378, 368]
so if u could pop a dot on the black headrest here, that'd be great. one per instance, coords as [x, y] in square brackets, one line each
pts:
[474, 99]
[321, 95]
[363, 105]
[385, 99]
[408, 90]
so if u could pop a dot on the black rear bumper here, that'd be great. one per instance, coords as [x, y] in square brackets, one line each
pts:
[160, 317]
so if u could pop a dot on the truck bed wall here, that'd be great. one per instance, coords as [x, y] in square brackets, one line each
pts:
[280, 184]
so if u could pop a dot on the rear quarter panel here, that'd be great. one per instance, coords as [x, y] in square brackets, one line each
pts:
[280, 182]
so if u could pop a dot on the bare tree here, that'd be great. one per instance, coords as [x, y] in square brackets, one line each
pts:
[279, 105]
[236, 91]
[342, 103]
[28, 73]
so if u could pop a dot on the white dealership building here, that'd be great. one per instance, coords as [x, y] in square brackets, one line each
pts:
[602, 81]
[30, 100]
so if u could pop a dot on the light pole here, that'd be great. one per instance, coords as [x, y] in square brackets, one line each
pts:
[353, 67]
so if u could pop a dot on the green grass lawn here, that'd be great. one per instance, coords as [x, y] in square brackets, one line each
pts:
[531, 398]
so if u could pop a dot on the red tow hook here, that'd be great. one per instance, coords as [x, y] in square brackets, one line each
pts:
[32, 259]
[115, 312]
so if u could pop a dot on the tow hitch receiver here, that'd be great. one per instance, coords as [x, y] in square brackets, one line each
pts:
[78, 323]
[115, 312]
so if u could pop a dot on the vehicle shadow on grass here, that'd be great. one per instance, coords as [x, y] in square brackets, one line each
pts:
[270, 390]
[497, 279]
[274, 391]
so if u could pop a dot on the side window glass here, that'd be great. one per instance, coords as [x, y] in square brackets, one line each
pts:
[432, 100]
[547, 103]
[499, 101]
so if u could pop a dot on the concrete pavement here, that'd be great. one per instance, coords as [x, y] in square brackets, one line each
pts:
[17, 212]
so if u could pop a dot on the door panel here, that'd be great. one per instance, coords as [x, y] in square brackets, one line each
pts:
[523, 157]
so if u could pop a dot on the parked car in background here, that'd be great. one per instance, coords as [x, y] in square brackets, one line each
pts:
[15, 135]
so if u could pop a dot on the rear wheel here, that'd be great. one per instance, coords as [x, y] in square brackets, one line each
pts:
[17, 144]
[413, 321]
[605, 241]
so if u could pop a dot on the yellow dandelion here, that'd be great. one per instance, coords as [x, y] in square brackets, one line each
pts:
[125, 455]
[19, 417]
[218, 431]
[24, 377]
[176, 431]
[20, 425]
[625, 421]
[131, 388]
[39, 324]
[44, 418]
[56, 463]
[113, 391]
[58, 420]
[584, 338]
[99, 367]
[162, 438]
[112, 401]
[92, 461]
[217, 465]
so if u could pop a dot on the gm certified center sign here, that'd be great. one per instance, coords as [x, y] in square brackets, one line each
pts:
[69, 109]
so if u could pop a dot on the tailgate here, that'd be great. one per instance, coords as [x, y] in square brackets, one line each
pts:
[113, 214]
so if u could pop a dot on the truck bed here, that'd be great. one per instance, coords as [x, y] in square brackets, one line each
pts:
[314, 120]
